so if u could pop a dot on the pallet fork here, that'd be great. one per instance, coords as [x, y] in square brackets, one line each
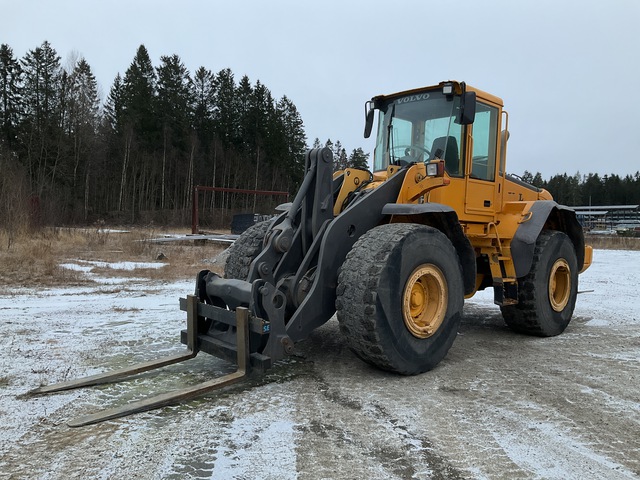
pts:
[192, 306]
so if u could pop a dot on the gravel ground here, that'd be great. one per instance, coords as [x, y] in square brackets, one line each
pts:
[500, 405]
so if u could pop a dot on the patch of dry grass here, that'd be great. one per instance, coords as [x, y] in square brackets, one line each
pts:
[33, 260]
[613, 242]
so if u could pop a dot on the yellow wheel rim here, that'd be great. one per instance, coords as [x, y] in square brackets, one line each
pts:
[424, 301]
[559, 285]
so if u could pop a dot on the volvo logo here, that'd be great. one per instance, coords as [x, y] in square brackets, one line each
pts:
[413, 98]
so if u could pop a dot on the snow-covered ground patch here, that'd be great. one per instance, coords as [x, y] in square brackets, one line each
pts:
[500, 405]
[89, 265]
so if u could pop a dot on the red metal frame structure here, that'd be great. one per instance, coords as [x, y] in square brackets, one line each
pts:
[195, 227]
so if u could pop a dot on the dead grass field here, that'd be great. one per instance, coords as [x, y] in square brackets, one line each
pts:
[33, 259]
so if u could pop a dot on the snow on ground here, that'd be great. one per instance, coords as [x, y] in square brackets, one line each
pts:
[500, 405]
[89, 265]
[608, 290]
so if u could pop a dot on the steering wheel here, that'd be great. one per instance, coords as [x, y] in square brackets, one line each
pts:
[408, 157]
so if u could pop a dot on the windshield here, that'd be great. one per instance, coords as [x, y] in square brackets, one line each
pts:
[418, 128]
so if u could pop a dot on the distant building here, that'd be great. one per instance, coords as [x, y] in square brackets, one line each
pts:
[608, 217]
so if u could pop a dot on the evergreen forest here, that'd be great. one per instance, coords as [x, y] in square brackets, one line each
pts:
[66, 157]
[590, 189]
[69, 157]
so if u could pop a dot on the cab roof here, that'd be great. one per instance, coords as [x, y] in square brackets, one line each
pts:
[458, 89]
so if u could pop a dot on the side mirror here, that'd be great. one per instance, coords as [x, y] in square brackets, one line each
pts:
[467, 110]
[368, 118]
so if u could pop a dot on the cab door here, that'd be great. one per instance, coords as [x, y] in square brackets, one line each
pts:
[481, 185]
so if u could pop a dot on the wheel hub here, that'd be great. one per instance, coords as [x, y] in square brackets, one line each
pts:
[424, 302]
[559, 285]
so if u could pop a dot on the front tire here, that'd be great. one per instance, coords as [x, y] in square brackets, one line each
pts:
[400, 297]
[547, 294]
[244, 250]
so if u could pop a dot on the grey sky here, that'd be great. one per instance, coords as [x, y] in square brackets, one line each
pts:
[566, 70]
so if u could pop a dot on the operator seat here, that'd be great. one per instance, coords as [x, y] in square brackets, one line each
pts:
[446, 148]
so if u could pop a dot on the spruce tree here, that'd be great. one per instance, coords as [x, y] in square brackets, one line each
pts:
[295, 139]
[204, 94]
[10, 95]
[141, 135]
[225, 115]
[358, 159]
[139, 95]
[84, 117]
[174, 108]
[42, 101]
[114, 106]
[243, 136]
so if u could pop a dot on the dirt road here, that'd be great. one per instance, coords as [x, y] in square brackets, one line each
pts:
[500, 405]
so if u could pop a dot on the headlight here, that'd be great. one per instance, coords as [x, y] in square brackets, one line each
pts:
[435, 169]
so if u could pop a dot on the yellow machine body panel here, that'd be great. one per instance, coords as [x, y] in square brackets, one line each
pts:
[490, 204]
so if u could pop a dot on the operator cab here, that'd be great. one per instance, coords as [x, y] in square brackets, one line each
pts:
[428, 124]
[449, 122]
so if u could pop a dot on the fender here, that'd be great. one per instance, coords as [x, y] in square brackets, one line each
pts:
[445, 219]
[550, 215]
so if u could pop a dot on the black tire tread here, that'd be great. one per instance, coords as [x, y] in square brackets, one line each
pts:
[356, 307]
[524, 317]
[244, 250]
[358, 329]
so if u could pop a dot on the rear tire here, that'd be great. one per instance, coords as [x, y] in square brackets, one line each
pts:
[244, 250]
[547, 294]
[400, 297]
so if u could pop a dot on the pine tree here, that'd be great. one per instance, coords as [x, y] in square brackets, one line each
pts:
[10, 95]
[527, 176]
[141, 134]
[204, 94]
[84, 117]
[593, 190]
[538, 181]
[175, 109]
[226, 114]
[175, 97]
[139, 94]
[295, 137]
[339, 156]
[258, 124]
[42, 100]
[114, 106]
[358, 159]
[245, 132]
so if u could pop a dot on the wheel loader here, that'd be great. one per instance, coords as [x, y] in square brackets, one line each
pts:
[393, 251]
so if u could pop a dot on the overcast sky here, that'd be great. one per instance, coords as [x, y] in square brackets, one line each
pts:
[568, 71]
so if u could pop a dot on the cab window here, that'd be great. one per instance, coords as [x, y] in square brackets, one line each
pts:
[419, 127]
[485, 129]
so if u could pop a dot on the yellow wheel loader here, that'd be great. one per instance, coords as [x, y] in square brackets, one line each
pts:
[394, 251]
